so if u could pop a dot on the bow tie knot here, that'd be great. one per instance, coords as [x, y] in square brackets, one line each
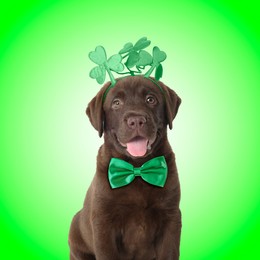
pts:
[122, 173]
[137, 172]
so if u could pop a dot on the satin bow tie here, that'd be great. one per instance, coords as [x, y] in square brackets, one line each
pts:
[122, 173]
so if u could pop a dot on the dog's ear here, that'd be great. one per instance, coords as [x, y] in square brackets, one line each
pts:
[172, 103]
[95, 110]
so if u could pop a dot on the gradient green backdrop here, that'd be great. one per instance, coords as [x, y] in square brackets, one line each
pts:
[48, 147]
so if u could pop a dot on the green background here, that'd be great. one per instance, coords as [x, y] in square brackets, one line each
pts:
[48, 147]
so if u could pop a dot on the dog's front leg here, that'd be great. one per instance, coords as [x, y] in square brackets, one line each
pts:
[105, 245]
[167, 248]
[80, 256]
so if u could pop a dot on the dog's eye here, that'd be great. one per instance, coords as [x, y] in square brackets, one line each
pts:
[116, 103]
[151, 100]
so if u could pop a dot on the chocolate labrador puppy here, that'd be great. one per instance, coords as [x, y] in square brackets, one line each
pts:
[137, 220]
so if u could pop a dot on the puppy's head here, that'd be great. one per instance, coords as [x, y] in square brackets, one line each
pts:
[134, 115]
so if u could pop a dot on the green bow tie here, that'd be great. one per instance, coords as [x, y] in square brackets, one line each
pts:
[121, 173]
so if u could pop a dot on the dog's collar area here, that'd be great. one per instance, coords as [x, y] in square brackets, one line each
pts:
[122, 173]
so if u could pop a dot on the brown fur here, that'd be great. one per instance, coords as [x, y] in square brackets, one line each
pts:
[138, 221]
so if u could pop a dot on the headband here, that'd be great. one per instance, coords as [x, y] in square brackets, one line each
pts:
[131, 60]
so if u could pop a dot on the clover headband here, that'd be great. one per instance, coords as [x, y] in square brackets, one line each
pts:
[137, 59]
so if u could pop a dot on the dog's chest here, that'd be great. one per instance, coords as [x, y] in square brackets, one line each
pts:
[138, 233]
[138, 221]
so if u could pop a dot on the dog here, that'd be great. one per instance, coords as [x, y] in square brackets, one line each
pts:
[139, 220]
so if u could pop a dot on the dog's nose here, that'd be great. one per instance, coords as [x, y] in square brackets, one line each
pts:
[135, 122]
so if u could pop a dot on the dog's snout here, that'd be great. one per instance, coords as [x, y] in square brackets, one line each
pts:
[135, 122]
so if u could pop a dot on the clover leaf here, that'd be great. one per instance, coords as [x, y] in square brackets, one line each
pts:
[132, 59]
[100, 58]
[139, 45]
[158, 57]
[133, 51]
[98, 73]
[144, 59]
[135, 56]
[114, 63]
[142, 44]
[127, 47]
[158, 72]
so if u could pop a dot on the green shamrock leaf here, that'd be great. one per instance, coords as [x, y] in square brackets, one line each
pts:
[133, 53]
[158, 72]
[144, 59]
[141, 44]
[127, 47]
[132, 59]
[98, 56]
[114, 63]
[158, 55]
[98, 73]
[135, 56]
